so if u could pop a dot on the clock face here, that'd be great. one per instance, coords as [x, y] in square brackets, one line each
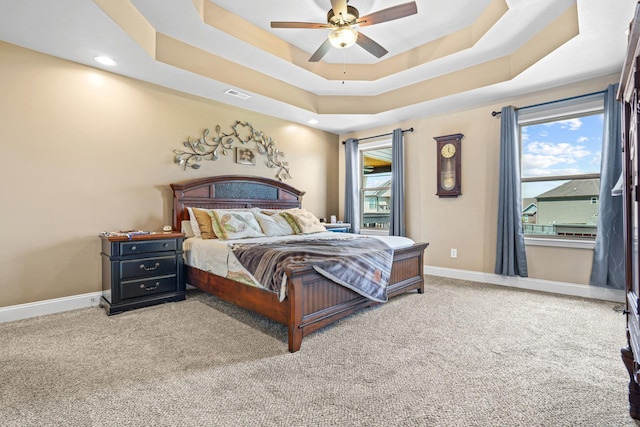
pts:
[448, 150]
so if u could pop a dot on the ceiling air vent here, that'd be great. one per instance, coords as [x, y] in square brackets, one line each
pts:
[237, 94]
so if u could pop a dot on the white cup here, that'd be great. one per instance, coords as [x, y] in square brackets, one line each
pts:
[333, 219]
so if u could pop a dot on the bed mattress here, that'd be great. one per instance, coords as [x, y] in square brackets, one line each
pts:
[216, 256]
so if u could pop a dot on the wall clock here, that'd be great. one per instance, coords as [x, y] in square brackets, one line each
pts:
[448, 165]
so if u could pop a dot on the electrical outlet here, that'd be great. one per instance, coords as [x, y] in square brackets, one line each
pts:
[454, 253]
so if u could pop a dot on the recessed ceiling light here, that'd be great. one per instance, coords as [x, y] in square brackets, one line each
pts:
[312, 121]
[105, 60]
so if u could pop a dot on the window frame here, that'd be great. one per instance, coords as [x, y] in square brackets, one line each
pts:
[370, 146]
[576, 107]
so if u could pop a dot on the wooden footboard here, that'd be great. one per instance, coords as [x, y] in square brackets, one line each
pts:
[313, 301]
[316, 301]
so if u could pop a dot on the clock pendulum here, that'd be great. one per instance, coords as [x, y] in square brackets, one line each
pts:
[448, 176]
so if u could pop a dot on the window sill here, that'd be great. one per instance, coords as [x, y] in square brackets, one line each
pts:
[560, 243]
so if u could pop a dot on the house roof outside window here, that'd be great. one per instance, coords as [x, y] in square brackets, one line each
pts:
[574, 188]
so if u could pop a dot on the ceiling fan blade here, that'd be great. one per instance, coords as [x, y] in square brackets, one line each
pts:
[389, 14]
[299, 25]
[339, 7]
[322, 51]
[370, 46]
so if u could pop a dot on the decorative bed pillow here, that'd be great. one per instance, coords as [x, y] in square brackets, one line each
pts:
[187, 229]
[194, 223]
[272, 223]
[303, 221]
[204, 221]
[230, 224]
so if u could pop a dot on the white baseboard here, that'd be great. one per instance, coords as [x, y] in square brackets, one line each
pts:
[57, 305]
[51, 306]
[585, 291]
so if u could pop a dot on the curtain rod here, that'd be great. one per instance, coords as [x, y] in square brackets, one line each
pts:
[378, 136]
[495, 113]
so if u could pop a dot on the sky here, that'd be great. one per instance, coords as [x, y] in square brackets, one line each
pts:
[565, 147]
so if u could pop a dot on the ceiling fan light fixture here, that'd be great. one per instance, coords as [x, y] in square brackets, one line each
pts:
[343, 37]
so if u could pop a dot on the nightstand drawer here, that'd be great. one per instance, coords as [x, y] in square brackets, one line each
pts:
[150, 286]
[131, 248]
[145, 267]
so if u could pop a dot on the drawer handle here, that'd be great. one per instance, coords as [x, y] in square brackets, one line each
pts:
[133, 248]
[150, 288]
[143, 267]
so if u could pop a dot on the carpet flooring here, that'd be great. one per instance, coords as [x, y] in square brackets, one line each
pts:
[462, 354]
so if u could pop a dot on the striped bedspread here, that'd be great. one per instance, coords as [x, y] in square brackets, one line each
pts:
[361, 264]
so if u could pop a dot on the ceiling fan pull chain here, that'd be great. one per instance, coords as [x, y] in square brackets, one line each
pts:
[344, 65]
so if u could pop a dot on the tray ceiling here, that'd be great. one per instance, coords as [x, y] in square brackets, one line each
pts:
[452, 54]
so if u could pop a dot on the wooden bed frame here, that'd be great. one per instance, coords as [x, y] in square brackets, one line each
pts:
[313, 301]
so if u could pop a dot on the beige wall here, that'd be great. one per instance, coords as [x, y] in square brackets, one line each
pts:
[86, 151]
[469, 222]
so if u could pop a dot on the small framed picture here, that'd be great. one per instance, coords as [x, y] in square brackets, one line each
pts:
[245, 156]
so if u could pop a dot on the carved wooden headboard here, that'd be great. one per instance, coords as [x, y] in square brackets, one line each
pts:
[232, 192]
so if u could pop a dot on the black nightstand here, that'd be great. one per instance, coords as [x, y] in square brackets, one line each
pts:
[141, 271]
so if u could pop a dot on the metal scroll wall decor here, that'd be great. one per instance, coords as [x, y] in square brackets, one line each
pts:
[209, 147]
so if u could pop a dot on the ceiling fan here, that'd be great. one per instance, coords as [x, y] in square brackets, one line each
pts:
[343, 19]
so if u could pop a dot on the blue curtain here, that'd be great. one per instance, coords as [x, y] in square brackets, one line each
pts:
[396, 224]
[351, 190]
[608, 258]
[511, 258]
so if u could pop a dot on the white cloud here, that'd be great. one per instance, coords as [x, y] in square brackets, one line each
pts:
[582, 139]
[563, 149]
[538, 161]
[547, 159]
[531, 171]
[572, 124]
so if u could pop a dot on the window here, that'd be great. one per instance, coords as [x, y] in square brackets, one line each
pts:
[560, 171]
[375, 188]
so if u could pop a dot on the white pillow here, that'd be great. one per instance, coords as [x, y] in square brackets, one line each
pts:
[272, 223]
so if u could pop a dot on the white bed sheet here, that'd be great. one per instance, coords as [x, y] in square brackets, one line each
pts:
[215, 256]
